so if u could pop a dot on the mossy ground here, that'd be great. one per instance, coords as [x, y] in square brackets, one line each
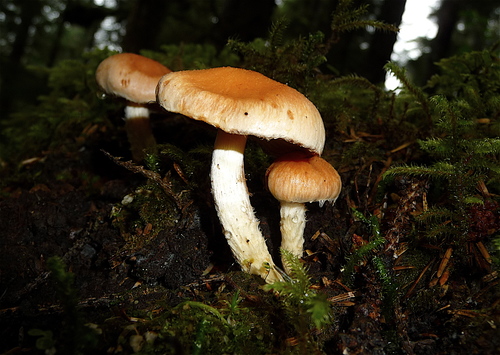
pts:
[175, 289]
[407, 261]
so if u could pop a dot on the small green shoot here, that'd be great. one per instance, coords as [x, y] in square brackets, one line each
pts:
[305, 308]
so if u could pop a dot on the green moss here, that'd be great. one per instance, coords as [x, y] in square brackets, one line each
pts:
[463, 154]
[365, 251]
[305, 309]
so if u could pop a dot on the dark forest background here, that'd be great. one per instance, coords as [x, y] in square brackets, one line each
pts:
[35, 34]
[405, 262]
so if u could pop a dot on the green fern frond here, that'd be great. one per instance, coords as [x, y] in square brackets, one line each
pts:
[441, 222]
[491, 166]
[291, 62]
[441, 170]
[243, 48]
[437, 147]
[478, 155]
[355, 25]
[298, 270]
[450, 113]
[299, 300]
[442, 231]
[473, 77]
[347, 18]
[364, 251]
[345, 12]
[435, 215]
[373, 223]
[483, 146]
[389, 287]
[276, 32]
[417, 92]
[299, 282]
[356, 81]
[320, 311]
[369, 252]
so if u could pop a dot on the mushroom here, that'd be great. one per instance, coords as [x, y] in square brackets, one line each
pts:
[134, 78]
[239, 103]
[295, 179]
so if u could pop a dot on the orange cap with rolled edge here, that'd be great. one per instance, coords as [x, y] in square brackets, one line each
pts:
[244, 102]
[301, 178]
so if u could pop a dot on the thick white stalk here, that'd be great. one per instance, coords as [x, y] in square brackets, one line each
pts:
[292, 225]
[236, 214]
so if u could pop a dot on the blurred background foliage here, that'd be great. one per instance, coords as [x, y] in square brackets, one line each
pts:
[41, 33]
[332, 51]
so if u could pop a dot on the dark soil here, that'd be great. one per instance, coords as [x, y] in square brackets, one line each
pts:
[65, 204]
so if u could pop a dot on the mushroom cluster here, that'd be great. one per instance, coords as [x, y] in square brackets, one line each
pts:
[239, 103]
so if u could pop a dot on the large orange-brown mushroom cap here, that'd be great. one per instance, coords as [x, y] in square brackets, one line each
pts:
[244, 102]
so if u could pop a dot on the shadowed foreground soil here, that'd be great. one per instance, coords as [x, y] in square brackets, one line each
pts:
[73, 209]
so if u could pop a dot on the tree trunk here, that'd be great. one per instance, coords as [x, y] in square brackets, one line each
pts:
[12, 67]
[244, 20]
[29, 10]
[144, 23]
[382, 43]
[447, 18]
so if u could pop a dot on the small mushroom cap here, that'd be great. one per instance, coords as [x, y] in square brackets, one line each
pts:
[244, 102]
[301, 178]
[131, 76]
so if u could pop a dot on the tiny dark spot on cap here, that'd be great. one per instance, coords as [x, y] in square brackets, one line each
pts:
[290, 114]
[246, 113]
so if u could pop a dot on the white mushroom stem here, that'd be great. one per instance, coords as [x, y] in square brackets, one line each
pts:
[292, 225]
[236, 214]
[139, 132]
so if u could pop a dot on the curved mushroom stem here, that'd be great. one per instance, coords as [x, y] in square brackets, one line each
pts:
[292, 225]
[139, 133]
[240, 226]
